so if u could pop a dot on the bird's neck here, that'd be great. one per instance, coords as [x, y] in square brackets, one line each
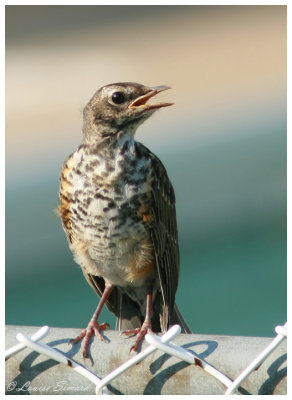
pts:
[113, 161]
[111, 148]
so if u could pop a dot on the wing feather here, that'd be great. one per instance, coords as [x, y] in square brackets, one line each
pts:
[164, 233]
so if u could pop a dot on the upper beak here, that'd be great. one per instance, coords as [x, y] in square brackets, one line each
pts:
[142, 100]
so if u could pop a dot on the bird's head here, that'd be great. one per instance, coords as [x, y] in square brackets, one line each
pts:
[118, 109]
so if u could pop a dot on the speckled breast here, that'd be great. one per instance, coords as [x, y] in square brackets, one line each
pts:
[105, 209]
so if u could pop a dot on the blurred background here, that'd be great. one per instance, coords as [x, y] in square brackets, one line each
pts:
[223, 144]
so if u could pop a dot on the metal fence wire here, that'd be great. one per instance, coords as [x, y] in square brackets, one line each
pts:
[163, 343]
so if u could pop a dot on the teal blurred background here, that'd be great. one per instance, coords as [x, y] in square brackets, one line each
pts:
[223, 144]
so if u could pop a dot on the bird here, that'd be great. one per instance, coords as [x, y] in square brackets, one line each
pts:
[117, 208]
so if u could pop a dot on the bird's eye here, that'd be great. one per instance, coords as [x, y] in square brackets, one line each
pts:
[118, 98]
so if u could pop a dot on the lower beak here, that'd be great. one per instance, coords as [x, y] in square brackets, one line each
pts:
[141, 101]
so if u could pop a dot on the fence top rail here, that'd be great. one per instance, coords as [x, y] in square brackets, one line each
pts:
[173, 363]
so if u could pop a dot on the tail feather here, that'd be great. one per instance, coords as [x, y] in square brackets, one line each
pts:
[128, 313]
[130, 317]
[177, 318]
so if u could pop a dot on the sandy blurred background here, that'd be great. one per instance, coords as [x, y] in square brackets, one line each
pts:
[223, 144]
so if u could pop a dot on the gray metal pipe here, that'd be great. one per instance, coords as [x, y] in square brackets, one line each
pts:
[31, 373]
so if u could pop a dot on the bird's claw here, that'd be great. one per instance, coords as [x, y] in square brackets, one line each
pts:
[140, 332]
[93, 328]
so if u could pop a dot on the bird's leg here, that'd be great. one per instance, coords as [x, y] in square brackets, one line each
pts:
[93, 326]
[145, 327]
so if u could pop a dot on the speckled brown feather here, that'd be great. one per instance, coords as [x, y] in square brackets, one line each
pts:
[163, 228]
[117, 208]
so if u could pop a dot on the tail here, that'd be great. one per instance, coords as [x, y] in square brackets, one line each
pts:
[128, 313]
[130, 317]
[177, 318]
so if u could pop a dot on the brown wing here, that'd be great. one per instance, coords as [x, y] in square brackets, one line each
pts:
[164, 236]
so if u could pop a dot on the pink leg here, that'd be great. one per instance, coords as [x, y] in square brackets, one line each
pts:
[93, 326]
[146, 326]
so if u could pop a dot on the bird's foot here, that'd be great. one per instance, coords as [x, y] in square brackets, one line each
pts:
[92, 328]
[140, 332]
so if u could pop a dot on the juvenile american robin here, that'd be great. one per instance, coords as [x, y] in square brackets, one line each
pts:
[117, 208]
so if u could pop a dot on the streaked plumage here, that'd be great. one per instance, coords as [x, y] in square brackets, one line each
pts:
[117, 208]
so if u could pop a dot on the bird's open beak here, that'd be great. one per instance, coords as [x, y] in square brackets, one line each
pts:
[141, 101]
